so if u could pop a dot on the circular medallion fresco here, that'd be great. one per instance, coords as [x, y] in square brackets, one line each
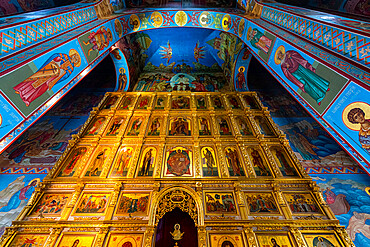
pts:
[134, 22]
[157, 19]
[226, 22]
[181, 18]
[205, 19]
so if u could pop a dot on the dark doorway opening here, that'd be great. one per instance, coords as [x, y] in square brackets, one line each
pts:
[186, 230]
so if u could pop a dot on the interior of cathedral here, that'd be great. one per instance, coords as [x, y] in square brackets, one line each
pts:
[184, 123]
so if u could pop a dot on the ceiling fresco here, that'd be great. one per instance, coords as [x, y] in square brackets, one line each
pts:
[184, 54]
[178, 3]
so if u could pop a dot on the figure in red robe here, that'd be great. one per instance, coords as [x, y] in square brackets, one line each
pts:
[56, 69]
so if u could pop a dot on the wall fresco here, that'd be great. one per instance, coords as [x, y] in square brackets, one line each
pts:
[15, 191]
[317, 151]
[34, 83]
[316, 83]
[241, 70]
[349, 198]
[349, 116]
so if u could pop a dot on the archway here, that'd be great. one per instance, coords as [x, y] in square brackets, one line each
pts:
[176, 228]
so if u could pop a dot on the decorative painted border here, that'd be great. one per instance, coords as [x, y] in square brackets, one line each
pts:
[18, 37]
[349, 44]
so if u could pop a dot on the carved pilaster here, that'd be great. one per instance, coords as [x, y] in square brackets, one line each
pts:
[214, 125]
[193, 106]
[53, 237]
[195, 126]
[342, 233]
[113, 200]
[198, 165]
[251, 237]
[240, 199]
[202, 236]
[323, 204]
[7, 236]
[101, 236]
[163, 130]
[148, 236]
[248, 164]
[222, 161]
[272, 161]
[298, 237]
[83, 161]
[67, 211]
[234, 125]
[134, 163]
[109, 162]
[254, 124]
[281, 201]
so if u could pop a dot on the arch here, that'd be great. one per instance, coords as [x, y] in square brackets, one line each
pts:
[180, 196]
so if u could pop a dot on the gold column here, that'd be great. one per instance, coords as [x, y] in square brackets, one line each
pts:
[342, 233]
[53, 237]
[67, 211]
[202, 236]
[250, 236]
[298, 237]
[148, 236]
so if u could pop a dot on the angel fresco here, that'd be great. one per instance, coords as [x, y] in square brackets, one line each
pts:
[233, 161]
[23, 194]
[122, 164]
[135, 127]
[114, 128]
[258, 164]
[357, 121]
[57, 68]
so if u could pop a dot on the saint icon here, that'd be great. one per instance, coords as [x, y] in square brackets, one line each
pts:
[177, 234]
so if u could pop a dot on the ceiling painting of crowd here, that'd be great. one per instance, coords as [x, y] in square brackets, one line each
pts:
[204, 61]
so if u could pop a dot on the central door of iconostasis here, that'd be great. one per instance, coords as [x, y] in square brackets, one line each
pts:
[176, 228]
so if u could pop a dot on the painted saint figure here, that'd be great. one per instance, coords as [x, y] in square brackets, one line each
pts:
[204, 127]
[135, 127]
[69, 169]
[177, 234]
[123, 162]
[99, 39]
[98, 164]
[209, 161]
[240, 77]
[259, 40]
[258, 163]
[180, 127]
[234, 162]
[147, 162]
[357, 116]
[299, 71]
[155, 127]
[113, 131]
[178, 162]
[57, 68]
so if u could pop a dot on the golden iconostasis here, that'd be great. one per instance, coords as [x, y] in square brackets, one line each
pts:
[218, 157]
